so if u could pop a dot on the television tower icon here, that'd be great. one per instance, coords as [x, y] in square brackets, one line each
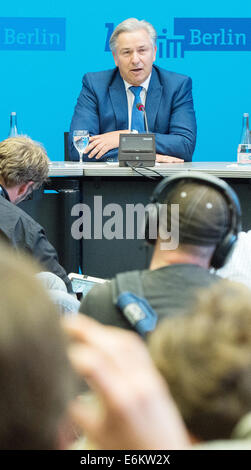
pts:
[170, 48]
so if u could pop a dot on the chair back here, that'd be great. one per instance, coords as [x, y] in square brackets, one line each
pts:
[66, 147]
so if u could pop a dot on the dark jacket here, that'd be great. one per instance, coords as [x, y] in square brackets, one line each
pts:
[24, 233]
[170, 290]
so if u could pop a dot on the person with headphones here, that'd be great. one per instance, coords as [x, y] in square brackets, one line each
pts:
[208, 222]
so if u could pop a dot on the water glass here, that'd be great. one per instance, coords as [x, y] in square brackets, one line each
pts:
[81, 141]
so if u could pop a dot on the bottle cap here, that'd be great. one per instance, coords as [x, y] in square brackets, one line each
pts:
[13, 113]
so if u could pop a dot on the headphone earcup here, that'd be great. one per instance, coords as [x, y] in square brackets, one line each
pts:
[152, 223]
[223, 251]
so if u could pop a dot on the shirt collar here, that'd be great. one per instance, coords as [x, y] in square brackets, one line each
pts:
[145, 84]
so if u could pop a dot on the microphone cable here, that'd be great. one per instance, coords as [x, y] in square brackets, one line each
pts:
[145, 168]
[154, 171]
[141, 174]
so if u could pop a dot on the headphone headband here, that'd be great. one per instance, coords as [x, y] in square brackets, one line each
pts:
[210, 180]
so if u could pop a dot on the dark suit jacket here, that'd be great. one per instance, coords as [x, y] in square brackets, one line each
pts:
[24, 233]
[102, 107]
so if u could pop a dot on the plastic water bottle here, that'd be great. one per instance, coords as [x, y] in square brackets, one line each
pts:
[13, 124]
[244, 147]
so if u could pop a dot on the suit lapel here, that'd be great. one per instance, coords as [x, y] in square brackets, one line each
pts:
[119, 101]
[153, 98]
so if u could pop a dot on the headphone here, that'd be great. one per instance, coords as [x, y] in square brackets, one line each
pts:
[225, 245]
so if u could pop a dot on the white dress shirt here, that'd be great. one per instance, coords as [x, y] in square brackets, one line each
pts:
[130, 97]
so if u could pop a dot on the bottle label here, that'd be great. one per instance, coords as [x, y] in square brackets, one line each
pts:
[244, 153]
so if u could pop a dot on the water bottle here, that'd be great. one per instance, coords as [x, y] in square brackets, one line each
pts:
[244, 147]
[13, 124]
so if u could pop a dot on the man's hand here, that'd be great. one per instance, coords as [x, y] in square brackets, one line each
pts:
[136, 409]
[168, 159]
[102, 143]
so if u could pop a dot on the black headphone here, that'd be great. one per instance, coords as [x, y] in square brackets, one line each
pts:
[226, 244]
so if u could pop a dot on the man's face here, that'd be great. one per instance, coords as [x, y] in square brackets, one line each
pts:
[134, 56]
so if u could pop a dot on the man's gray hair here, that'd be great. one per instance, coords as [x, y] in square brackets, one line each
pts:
[129, 25]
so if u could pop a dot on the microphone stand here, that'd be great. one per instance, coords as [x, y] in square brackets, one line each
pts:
[141, 108]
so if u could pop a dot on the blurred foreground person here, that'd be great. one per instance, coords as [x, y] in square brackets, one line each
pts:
[131, 408]
[38, 385]
[36, 379]
[205, 358]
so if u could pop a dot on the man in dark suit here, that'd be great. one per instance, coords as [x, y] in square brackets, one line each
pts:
[105, 106]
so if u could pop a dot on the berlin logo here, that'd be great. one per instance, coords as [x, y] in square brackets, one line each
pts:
[199, 34]
[34, 34]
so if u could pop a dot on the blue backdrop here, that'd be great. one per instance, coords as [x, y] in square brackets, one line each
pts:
[46, 49]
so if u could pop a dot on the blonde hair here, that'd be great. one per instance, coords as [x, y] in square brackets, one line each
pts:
[23, 160]
[205, 357]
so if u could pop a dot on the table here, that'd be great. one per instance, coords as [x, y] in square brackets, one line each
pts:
[220, 169]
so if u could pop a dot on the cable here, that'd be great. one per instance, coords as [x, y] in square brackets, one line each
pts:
[147, 168]
[141, 174]
[154, 171]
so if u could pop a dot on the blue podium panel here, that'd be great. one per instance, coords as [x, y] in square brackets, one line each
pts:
[46, 48]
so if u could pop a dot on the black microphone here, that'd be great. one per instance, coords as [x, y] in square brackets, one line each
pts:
[141, 108]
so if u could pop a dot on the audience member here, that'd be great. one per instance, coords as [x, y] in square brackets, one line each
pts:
[238, 266]
[205, 357]
[36, 380]
[132, 408]
[23, 168]
[66, 303]
[207, 227]
[38, 385]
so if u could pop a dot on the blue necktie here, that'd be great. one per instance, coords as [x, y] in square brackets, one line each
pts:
[138, 122]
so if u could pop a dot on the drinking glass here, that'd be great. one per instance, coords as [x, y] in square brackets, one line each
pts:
[80, 141]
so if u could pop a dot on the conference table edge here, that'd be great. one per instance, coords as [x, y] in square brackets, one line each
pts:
[220, 169]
